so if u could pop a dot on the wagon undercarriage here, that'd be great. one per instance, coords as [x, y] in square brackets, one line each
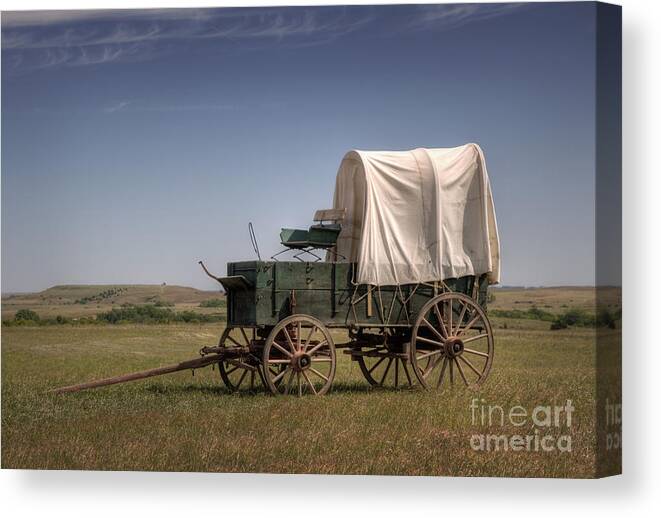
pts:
[451, 342]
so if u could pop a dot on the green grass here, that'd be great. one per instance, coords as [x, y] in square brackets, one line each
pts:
[184, 423]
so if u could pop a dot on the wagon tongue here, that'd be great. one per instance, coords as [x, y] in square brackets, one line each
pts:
[210, 355]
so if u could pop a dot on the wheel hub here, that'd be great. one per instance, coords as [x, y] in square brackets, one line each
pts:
[301, 361]
[454, 346]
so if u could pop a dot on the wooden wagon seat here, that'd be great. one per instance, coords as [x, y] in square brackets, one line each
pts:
[323, 234]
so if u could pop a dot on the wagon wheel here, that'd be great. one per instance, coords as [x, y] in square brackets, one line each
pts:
[304, 346]
[451, 340]
[387, 371]
[385, 366]
[243, 372]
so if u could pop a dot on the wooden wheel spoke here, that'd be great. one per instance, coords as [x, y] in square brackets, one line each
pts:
[245, 336]
[385, 373]
[298, 336]
[321, 359]
[473, 338]
[461, 371]
[307, 378]
[317, 347]
[307, 341]
[325, 378]
[279, 376]
[430, 367]
[450, 316]
[434, 330]
[440, 320]
[461, 316]
[469, 325]
[281, 349]
[396, 372]
[229, 337]
[440, 377]
[245, 371]
[289, 341]
[377, 364]
[451, 372]
[473, 351]
[470, 365]
[288, 383]
[428, 341]
[232, 370]
[427, 355]
[240, 364]
[406, 371]
[278, 360]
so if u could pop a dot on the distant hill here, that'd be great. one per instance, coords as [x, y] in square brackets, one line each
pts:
[113, 294]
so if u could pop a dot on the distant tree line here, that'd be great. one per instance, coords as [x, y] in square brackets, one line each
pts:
[105, 294]
[126, 314]
[153, 314]
[213, 303]
[573, 317]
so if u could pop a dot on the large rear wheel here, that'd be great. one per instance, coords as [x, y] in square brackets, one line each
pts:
[451, 341]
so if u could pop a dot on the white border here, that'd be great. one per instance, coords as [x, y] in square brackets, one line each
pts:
[102, 494]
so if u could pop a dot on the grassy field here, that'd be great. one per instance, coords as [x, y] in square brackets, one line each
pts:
[184, 423]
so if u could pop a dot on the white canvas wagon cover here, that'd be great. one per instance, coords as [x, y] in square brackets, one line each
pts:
[417, 216]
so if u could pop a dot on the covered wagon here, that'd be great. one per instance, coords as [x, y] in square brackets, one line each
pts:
[402, 262]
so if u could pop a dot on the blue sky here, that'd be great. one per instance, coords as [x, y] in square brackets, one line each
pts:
[136, 142]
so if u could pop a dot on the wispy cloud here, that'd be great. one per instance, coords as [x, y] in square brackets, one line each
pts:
[125, 106]
[12, 19]
[450, 16]
[118, 106]
[48, 39]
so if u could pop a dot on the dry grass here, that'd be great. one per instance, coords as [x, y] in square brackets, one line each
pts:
[184, 423]
[555, 300]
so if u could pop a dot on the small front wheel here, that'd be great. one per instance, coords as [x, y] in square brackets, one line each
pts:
[243, 372]
[299, 357]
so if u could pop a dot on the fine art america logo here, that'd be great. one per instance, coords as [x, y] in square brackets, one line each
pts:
[545, 428]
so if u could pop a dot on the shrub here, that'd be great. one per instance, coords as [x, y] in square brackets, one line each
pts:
[26, 315]
[147, 313]
[103, 295]
[212, 303]
[606, 318]
[152, 314]
[574, 317]
[533, 313]
[571, 317]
